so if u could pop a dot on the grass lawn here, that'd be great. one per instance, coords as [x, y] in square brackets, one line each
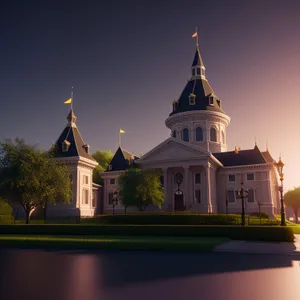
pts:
[295, 227]
[112, 242]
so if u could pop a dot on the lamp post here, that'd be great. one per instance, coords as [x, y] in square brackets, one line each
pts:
[178, 180]
[280, 166]
[115, 200]
[242, 193]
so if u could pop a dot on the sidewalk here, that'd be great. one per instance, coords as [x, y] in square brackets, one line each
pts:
[261, 247]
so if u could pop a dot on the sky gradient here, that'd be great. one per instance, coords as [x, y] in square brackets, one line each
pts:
[128, 61]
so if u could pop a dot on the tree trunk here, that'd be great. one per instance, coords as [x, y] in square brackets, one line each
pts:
[295, 209]
[27, 216]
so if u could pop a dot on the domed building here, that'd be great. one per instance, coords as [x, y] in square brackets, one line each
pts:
[199, 174]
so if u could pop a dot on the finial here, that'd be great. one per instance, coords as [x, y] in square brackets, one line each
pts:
[267, 146]
[255, 141]
[236, 151]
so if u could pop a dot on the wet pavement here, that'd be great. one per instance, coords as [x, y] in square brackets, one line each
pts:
[66, 275]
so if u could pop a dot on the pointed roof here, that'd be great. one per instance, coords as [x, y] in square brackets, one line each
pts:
[199, 86]
[241, 158]
[121, 160]
[268, 157]
[72, 138]
[197, 58]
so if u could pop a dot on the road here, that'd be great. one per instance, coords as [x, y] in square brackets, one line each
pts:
[114, 275]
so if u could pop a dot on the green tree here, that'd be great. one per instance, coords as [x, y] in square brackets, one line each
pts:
[103, 158]
[140, 188]
[292, 199]
[31, 177]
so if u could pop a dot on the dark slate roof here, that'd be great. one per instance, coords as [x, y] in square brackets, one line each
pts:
[242, 158]
[268, 157]
[197, 59]
[121, 160]
[72, 135]
[202, 89]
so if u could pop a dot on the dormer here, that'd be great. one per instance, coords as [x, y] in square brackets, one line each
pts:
[87, 148]
[192, 99]
[65, 146]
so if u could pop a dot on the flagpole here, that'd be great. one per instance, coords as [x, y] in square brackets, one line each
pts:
[119, 138]
[197, 41]
[72, 99]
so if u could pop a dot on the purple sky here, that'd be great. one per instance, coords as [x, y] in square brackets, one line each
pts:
[128, 60]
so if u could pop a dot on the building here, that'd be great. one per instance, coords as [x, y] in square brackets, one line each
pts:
[75, 153]
[199, 174]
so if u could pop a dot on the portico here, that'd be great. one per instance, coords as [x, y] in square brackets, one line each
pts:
[195, 168]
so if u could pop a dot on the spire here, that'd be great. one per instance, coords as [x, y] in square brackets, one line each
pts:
[71, 119]
[198, 69]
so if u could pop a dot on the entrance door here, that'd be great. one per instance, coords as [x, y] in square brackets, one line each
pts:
[178, 199]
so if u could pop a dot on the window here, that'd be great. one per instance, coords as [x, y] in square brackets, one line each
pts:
[161, 179]
[230, 196]
[213, 134]
[193, 72]
[197, 178]
[231, 177]
[192, 99]
[112, 181]
[250, 176]
[110, 198]
[174, 134]
[65, 145]
[85, 179]
[199, 134]
[211, 100]
[198, 196]
[185, 135]
[85, 196]
[109, 167]
[251, 196]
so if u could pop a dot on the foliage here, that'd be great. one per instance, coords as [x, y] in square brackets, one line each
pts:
[292, 199]
[262, 215]
[5, 208]
[254, 233]
[31, 178]
[103, 158]
[113, 242]
[171, 219]
[140, 188]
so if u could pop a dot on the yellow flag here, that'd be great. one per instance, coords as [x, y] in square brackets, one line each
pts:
[195, 34]
[68, 101]
[122, 131]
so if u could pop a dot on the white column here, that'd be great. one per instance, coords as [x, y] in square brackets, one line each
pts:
[186, 193]
[208, 187]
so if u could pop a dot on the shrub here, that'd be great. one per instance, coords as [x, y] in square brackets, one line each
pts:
[262, 215]
[258, 233]
[170, 219]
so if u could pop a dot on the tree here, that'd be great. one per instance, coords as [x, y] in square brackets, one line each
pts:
[140, 188]
[292, 199]
[31, 177]
[103, 158]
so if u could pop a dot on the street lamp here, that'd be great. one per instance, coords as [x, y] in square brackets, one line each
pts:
[280, 166]
[115, 200]
[243, 193]
[178, 180]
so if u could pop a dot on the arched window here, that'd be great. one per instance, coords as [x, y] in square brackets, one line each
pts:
[185, 135]
[199, 134]
[174, 134]
[213, 134]
[223, 137]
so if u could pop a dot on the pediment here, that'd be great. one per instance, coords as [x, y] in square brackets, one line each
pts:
[172, 149]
